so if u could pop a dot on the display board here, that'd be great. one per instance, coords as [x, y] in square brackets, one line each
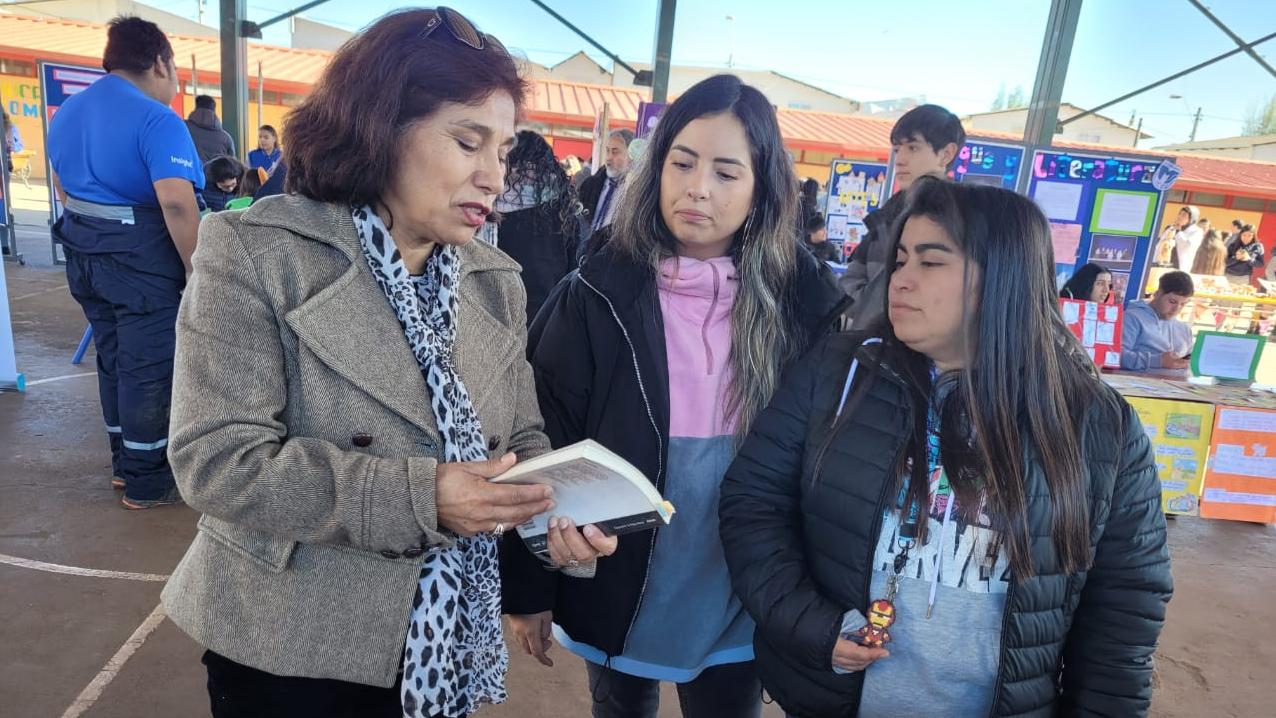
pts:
[1240, 479]
[990, 163]
[59, 82]
[1180, 434]
[1098, 327]
[1101, 209]
[854, 190]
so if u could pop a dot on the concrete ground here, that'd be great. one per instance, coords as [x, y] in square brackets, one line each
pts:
[76, 641]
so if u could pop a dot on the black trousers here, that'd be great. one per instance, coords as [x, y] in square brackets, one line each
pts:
[238, 691]
[130, 298]
[730, 691]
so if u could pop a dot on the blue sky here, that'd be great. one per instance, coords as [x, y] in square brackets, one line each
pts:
[953, 52]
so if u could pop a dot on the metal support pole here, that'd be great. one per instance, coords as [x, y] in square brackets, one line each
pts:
[194, 77]
[585, 36]
[1171, 78]
[664, 50]
[261, 90]
[1052, 71]
[1196, 122]
[1138, 132]
[1240, 43]
[234, 70]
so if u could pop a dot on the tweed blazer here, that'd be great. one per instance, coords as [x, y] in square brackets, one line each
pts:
[302, 431]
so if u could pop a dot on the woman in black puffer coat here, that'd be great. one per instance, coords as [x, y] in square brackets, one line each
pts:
[961, 478]
[540, 218]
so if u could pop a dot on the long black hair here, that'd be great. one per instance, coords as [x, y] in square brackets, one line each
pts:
[531, 167]
[1082, 283]
[1027, 384]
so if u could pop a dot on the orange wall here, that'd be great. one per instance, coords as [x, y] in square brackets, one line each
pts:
[21, 99]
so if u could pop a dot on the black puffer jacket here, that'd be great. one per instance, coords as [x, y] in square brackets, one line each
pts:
[800, 551]
[597, 350]
[534, 238]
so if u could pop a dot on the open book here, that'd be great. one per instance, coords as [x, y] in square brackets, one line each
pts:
[592, 485]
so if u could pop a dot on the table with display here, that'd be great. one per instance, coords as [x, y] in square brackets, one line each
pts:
[1214, 445]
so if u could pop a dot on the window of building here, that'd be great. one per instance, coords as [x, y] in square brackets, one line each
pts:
[1176, 195]
[818, 158]
[1251, 203]
[1208, 199]
[17, 67]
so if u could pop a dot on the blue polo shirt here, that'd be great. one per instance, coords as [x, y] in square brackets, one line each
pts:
[110, 143]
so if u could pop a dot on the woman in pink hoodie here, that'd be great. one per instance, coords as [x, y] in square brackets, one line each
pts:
[664, 346]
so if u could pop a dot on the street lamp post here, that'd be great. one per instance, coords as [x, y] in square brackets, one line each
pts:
[1196, 120]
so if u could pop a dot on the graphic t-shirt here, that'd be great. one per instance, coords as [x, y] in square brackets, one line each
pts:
[945, 664]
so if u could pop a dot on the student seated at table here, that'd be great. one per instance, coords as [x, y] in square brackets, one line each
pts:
[1153, 340]
[1091, 283]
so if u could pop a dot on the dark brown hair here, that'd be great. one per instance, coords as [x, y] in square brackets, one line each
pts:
[132, 44]
[344, 139]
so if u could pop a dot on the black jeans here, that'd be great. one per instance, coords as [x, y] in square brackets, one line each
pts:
[730, 691]
[238, 691]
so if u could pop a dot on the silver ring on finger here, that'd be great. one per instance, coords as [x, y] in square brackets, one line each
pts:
[500, 529]
[573, 563]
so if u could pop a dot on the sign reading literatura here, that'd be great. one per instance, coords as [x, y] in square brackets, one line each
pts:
[1062, 165]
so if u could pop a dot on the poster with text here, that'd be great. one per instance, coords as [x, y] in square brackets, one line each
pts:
[1240, 479]
[988, 163]
[59, 82]
[1098, 327]
[854, 190]
[1180, 435]
[1107, 203]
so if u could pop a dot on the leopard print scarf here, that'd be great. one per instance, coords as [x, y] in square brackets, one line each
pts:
[455, 658]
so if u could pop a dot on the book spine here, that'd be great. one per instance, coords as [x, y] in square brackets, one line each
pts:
[539, 543]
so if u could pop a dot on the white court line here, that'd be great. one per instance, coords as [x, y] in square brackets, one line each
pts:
[37, 293]
[77, 571]
[60, 378]
[94, 689]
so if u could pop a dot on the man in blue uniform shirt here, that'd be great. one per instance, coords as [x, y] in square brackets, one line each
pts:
[127, 171]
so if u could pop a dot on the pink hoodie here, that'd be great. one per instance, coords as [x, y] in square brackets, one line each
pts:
[696, 299]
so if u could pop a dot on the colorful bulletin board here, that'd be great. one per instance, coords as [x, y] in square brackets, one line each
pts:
[1101, 209]
[855, 189]
[1180, 434]
[1098, 326]
[1240, 478]
[990, 163]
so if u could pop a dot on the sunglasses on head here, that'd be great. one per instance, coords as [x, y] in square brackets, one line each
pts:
[461, 30]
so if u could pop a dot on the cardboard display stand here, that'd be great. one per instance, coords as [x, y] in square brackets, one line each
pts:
[855, 189]
[1180, 434]
[1240, 479]
[1101, 209]
[989, 163]
[1098, 326]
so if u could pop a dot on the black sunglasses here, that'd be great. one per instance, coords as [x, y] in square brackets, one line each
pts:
[461, 29]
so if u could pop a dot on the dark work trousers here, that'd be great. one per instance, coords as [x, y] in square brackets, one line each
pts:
[128, 278]
[238, 691]
[729, 691]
